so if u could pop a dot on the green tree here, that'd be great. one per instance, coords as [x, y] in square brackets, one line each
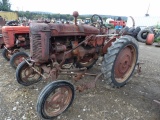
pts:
[5, 5]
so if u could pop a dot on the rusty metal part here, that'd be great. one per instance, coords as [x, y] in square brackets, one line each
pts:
[31, 65]
[108, 44]
[60, 48]
[82, 52]
[89, 85]
[78, 76]
[11, 51]
[41, 34]
[75, 15]
[71, 30]
[124, 63]
[18, 60]
[46, 69]
[87, 59]
[29, 75]
[58, 101]
[70, 51]
[150, 39]
[39, 48]
[54, 73]
[74, 44]
[72, 70]
[96, 41]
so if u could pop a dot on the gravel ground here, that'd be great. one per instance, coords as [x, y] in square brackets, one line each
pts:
[134, 101]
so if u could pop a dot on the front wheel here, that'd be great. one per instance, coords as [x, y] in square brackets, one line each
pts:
[6, 54]
[26, 75]
[120, 61]
[17, 58]
[54, 99]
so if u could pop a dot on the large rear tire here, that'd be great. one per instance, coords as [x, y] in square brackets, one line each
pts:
[120, 61]
[55, 99]
[25, 74]
[17, 58]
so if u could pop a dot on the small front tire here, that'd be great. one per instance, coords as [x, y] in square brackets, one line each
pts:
[26, 75]
[6, 54]
[17, 58]
[55, 99]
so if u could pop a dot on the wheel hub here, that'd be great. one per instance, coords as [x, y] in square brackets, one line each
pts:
[123, 62]
[58, 101]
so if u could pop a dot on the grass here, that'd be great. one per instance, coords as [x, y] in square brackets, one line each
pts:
[157, 40]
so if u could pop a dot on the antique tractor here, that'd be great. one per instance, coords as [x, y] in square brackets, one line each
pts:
[71, 49]
[15, 38]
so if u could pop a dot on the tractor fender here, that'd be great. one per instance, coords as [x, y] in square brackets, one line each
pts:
[108, 44]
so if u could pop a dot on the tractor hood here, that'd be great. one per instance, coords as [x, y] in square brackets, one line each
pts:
[64, 29]
[16, 29]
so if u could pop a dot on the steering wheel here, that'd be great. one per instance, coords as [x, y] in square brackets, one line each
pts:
[96, 22]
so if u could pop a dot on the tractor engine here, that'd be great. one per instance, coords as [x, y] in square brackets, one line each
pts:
[54, 41]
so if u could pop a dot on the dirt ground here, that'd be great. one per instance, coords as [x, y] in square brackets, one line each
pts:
[134, 101]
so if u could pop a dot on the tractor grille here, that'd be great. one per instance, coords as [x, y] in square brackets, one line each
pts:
[36, 47]
[6, 38]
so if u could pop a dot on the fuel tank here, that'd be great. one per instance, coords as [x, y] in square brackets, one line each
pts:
[71, 29]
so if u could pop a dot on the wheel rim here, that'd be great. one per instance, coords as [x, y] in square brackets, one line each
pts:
[18, 60]
[58, 101]
[28, 75]
[125, 63]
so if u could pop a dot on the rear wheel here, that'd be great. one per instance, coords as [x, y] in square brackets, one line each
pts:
[54, 99]
[25, 74]
[17, 58]
[120, 61]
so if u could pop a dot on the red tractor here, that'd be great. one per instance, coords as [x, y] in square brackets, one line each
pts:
[15, 38]
[71, 49]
